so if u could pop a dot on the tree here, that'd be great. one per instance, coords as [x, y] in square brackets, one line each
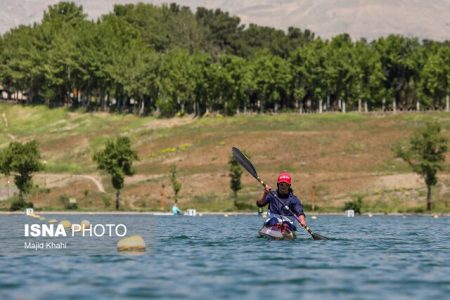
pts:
[425, 153]
[235, 174]
[222, 30]
[21, 160]
[117, 160]
[60, 32]
[176, 82]
[402, 59]
[272, 75]
[435, 79]
[370, 75]
[310, 82]
[176, 185]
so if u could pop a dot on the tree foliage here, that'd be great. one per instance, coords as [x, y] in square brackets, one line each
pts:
[168, 60]
[176, 185]
[425, 154]
[235, 177]
[117, 160]
[21, 161]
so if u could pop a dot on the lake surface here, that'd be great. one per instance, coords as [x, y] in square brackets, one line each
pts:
[217, 257]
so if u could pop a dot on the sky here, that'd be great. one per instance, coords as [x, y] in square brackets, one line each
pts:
[360, 18]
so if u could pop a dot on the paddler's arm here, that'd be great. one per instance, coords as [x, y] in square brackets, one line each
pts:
[261, 202]
[302, 220]
[299, 213]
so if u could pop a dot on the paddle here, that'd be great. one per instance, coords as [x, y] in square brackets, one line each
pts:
[245, 162]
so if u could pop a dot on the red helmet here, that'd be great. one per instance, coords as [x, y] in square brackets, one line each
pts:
[284, 177]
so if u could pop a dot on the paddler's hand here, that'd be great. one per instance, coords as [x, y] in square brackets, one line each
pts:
[267, 189]
[302, 220]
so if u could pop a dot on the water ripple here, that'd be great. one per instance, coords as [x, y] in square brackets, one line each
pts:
[366, 258]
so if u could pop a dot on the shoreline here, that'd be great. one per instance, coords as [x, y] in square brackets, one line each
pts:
[157, 213]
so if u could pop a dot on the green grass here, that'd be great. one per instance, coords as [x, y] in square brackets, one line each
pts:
[53, 167]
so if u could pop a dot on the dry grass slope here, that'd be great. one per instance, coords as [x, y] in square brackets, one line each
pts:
[337, 156]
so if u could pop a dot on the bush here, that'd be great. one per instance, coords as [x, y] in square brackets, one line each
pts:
[356, 204]
[166, 108]
[65, 201]
[19, 205]
[245, 206]
[106, 201]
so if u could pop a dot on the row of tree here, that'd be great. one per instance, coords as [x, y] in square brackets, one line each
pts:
[144, 58]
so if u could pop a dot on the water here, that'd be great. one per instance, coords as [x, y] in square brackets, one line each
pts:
[222, 258]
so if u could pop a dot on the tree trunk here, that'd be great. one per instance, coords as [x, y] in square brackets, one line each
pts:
[117, 199]
[235, 198]
[366, 106]
[344, 108]
[142, 109]
[418, 105]
[447, 104]
[21, 198]
[359, 105]
[320, 105]
[394, 105]
[428, 197]
[383, 107]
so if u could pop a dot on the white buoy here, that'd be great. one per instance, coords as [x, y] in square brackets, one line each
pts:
[313, 217]
[41, 219]
[134, 243]
[350, 213]
[191, 212]
[435, 216]
[370, 215]
[225, 215]
[52, 221]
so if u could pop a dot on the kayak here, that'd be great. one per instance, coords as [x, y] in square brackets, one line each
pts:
[277, 232]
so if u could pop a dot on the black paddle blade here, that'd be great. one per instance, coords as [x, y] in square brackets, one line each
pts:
[315, 236]
[318, 237]
[244, 161]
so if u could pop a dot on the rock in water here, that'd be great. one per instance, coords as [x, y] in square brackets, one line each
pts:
[134, 243]
[52, 221]
[66, 223]
[85, 224]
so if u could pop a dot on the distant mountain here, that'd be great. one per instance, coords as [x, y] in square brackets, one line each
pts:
[360, 18]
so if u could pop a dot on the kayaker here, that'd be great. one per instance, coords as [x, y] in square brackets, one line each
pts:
[278, 214]
[176, 210]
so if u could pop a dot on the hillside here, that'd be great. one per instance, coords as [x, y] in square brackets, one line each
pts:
[370, 19]
[341, 155]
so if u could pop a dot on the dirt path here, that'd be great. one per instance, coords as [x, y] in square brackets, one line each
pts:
[5, 120]
[59, 180]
